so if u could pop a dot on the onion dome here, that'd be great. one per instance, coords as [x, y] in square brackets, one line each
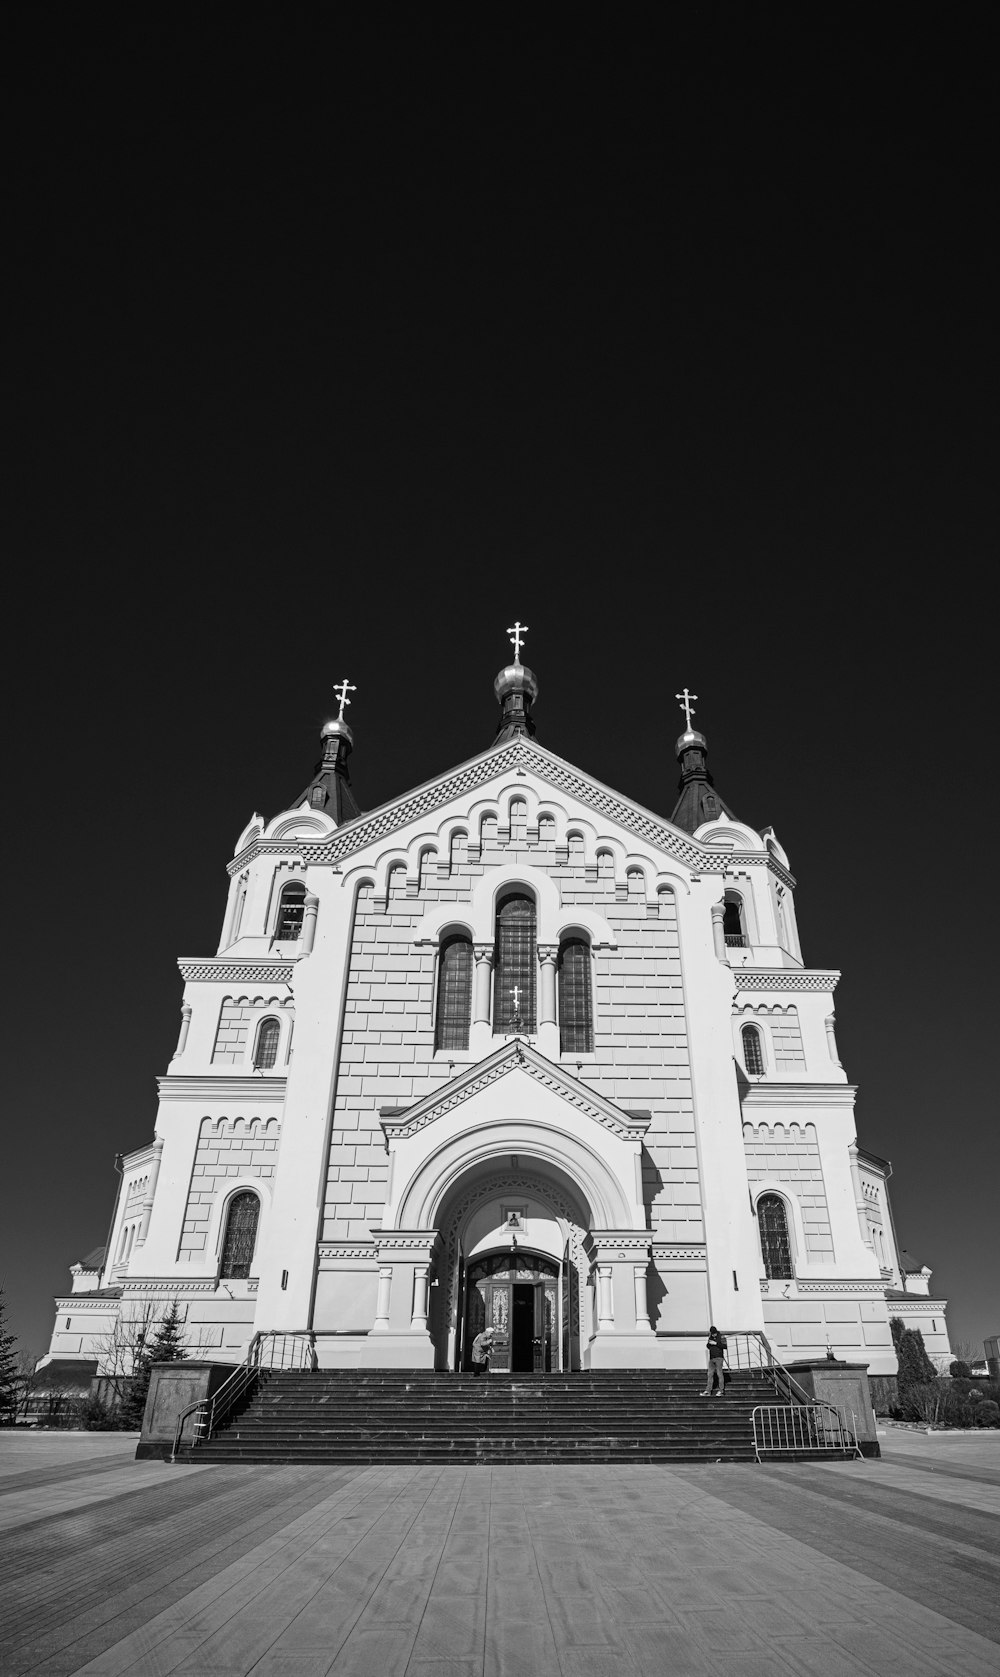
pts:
[330, 789]
[516, 688]
[698, 801]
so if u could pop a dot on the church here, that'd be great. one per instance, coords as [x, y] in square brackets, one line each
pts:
[512, 1051]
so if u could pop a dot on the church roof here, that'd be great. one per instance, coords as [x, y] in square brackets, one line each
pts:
[94, 1259]
[330, 788]
[910, 1265]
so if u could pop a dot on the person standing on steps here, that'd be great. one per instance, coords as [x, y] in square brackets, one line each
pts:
[482, 1345]
[716, 1348]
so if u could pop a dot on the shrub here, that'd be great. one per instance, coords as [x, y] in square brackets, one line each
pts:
[960, 1370]
[987, 1413]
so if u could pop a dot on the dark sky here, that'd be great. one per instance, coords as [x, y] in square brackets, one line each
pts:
[332, 350]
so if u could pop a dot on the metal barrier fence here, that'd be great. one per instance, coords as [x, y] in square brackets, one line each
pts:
[801, 1428]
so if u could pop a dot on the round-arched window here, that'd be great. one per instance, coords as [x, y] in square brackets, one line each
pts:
[772, 1220]
[240, 1237]
[753, 1053]
[268, 1038]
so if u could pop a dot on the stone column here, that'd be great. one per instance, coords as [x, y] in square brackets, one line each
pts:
[719, 930]
[547, 956]
[641, 1299]
[309, 923]
[381, 1322]
[605, 1300]
[418, 1315]
[154, 1171]
[484, 973]
[185, 1027]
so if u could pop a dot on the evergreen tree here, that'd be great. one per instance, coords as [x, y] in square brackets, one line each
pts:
[9, 1369]
[165, 1346]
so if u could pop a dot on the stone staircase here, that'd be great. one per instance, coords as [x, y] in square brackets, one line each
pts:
[383, 1416]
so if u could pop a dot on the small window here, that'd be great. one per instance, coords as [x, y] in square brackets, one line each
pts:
[241, 1236]
[753, 1053]
[733, 925]
[454, 993]
[774, 1243]
[291, 910]
[268, 1038]
[514, 971]
[576, 1013]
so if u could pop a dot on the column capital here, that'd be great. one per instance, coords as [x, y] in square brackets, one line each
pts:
[483, 952]
[548, 953]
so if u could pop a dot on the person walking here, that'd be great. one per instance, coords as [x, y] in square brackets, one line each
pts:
[716, 1348]
[482, 1345]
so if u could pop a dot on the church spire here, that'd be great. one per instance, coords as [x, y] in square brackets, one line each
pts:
[516, 688]
[698, 801]
[330, 789]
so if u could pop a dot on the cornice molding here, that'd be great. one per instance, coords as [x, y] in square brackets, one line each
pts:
[69, 1303]
[784, 978]
[513, 756]
[854, 1288]
[917, 1302]
[621, 1243]
[799, 1094]
[514, 1056]
[671, 1253]
[171, 1284]
[222, 1088]
[214, 970]
[346, 1250]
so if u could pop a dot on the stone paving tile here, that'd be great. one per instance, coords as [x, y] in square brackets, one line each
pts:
[431, 1572]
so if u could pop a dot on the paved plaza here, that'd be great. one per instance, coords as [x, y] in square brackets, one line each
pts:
[112, 1566]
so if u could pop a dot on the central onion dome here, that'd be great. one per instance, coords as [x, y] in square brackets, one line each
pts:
[337, 729]
[516, 688]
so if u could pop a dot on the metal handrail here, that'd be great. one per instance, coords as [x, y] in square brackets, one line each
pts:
[771, 1365]
[212, 1411]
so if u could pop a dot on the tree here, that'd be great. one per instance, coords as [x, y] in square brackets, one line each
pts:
[9, 1369]
[165, 1345]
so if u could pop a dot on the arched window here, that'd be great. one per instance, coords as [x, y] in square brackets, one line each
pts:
[454, 993]
[576, 1013]
[753, 1053]
[291, 909]
[733, 923]
[268, 1038]
[240, 1237]
[515, 963]
[774, 1242]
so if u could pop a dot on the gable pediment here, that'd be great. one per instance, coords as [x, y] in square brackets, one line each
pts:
[514, 1058]
[527, 758]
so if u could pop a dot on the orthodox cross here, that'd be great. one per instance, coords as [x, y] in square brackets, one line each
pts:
[515, 634]
[341, 693]
[517, 998]
[686, 707]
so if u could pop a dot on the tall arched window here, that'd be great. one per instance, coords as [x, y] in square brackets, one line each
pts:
[291, 909]
[240, 1237]
[454, 993]
[514, 968]
[753, 1053]
[774, 1242]
[576, 1013]
[266, 1052]
[733, 923]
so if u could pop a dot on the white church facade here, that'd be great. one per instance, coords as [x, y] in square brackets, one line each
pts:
[510, 1050]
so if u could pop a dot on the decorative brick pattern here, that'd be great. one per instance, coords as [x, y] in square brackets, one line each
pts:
[227, 1148]
[789, 1154]
[237, 1028]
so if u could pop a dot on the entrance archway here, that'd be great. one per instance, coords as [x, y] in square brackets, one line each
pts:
[523, 1228]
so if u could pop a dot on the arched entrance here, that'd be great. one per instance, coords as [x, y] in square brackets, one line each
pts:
[514, 1255]
[530, 1302]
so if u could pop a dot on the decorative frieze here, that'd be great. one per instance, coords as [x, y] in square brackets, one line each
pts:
[221, 971]
[784, 978]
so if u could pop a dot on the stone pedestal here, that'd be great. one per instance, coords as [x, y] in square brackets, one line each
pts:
[172, 1387]
[845, 1386]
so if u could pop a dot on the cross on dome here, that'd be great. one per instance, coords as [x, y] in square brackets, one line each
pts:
[340, 692]
[515, 632]
[686, 706]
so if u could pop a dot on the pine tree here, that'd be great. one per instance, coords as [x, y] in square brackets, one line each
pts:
[9, 1370]
[165, 1346]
